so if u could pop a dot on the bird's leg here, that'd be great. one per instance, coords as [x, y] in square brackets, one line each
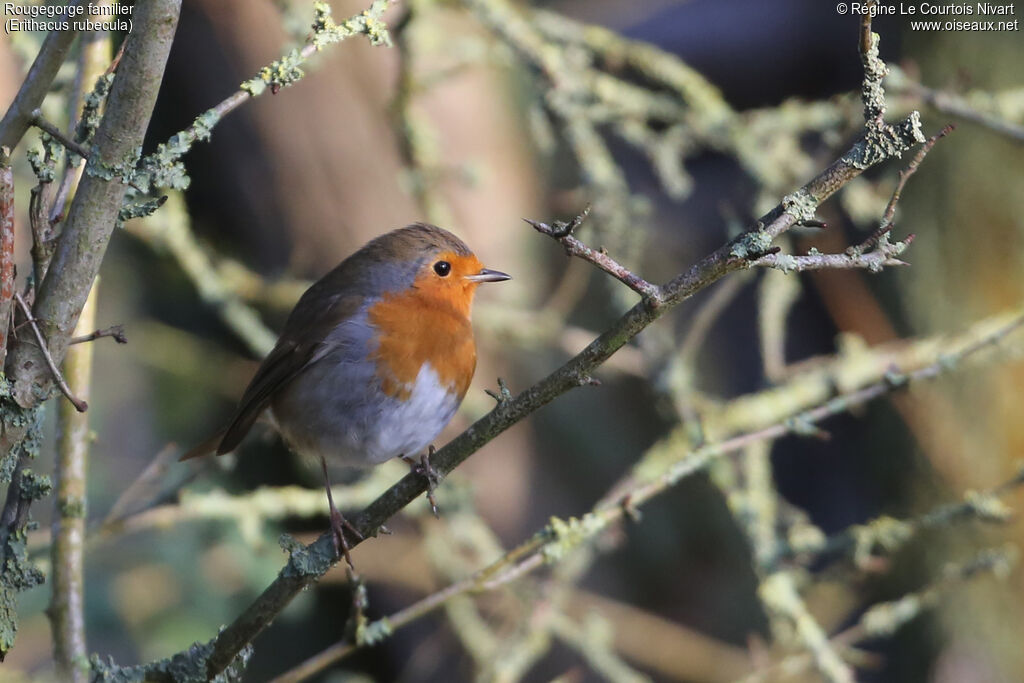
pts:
[427, 471]
[338, 522]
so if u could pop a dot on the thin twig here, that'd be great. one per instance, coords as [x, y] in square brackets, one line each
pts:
[115, 332]
[80, 405]
[36, 84]
[911, 169]
[873, 260]
[40, 122]
[562, 233]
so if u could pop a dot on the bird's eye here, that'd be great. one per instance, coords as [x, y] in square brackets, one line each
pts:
[442, 268]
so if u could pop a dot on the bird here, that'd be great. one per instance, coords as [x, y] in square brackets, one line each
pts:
[373, 361]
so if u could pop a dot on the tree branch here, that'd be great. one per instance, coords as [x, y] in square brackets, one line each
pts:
[563, 234]
[55, 373]
[96, 205]
[67, 604]
[6, 251]
[35, 86]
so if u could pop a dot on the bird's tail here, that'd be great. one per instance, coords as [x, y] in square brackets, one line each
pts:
[207, 447]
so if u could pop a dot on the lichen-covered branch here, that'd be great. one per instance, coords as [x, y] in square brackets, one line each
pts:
[563, 234]
[163, 168]
[882, 620]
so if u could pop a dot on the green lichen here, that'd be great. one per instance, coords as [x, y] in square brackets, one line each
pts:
[886, 533]
[91, 117]
[373, 632]
[886, 142]
[288, 70]
[569, 534]
[139, 209]
[185, 667]
[163, 168]
[785, 262]
[17, 573]
[35, 486]
[306, 561]
[123, 169]
[801, 205]
[872, 93]
[751, 244]
[44, 162]
[988, 506]
[278, 74]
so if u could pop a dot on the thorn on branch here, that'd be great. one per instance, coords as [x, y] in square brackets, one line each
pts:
[80, 405]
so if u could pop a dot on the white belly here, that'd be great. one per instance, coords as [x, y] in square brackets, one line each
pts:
[408, 427]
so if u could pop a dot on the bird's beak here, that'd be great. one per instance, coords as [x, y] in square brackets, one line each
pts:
[488, 275]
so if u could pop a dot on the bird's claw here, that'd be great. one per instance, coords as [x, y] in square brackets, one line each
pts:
[338, 526]
[423, 468]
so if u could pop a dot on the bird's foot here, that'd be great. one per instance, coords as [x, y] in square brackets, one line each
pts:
[423, 468]
[338, 526]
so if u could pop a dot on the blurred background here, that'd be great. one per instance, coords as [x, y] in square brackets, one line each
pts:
[292, 183]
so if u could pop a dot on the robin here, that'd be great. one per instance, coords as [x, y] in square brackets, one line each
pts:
[374, 359]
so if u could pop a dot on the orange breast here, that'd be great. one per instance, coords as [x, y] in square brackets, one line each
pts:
[417, 328]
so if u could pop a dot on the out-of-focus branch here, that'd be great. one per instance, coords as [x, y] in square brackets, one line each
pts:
[779, 594]
[67, 604]
[885, 618]
[35, 86]
[163, 168]
[170, 230]
[981, 108]
[887, 534]
[416, 135]
[251, 511]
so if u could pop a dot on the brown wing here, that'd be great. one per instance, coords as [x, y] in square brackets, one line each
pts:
[310, 322]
